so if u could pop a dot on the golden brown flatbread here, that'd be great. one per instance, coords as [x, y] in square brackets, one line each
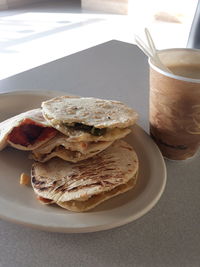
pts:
[88, 118]
[59, 146]
[92, 202]
[111, 172]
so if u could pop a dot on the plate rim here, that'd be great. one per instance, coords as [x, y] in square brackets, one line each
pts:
[94, 228]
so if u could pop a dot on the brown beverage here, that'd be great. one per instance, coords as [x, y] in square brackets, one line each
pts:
[186, 70]
[175, 103]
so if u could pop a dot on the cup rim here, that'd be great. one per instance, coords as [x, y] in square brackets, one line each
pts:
[171, 75]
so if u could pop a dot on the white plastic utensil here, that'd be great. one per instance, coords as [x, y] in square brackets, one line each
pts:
[143, 47]
[150, 50]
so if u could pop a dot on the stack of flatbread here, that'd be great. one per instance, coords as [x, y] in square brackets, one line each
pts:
[83, 185]
[80, 159]
[86, 125]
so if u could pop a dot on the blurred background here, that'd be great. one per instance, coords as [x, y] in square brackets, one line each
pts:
[34, 32]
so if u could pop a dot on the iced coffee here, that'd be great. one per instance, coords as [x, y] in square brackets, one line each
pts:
[175, 103]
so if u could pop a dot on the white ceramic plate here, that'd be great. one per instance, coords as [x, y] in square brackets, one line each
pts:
[18, 203]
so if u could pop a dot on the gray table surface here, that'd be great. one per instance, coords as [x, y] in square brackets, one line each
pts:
[168, 235]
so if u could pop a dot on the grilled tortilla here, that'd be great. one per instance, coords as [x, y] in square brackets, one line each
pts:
[83, 185]
[89, 119]
[59, 146]
[26, 131]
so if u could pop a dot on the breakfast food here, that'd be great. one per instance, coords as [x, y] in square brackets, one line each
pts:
[79, 159]
[87, 126]
[26, 131]
[59, 146]
[82, 186]
[89, 119]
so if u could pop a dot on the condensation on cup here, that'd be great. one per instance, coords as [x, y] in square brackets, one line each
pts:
[175, 103]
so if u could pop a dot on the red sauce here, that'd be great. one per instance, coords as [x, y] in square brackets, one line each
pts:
[30, 132]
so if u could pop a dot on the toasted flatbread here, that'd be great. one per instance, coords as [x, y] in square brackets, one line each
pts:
[89, 119]
[92, 202]
[59, 146]
[26, 131]
[80, 136]
[62, 182]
